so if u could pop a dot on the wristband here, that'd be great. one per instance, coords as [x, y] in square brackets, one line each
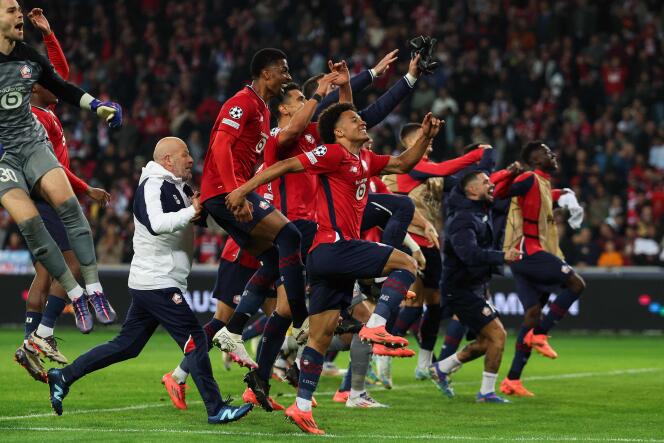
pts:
[317, 97]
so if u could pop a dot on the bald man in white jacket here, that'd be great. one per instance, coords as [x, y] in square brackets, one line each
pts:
[164, 207]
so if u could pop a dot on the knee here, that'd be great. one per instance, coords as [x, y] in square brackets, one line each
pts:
[406, 207]
[410, 264]
[499, 336]
[289, 233]
[576, 284]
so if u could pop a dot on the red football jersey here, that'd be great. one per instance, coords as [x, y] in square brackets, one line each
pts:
[236, 143]
[57, 138]
[233, 253]
[293, 194]
[343, 179]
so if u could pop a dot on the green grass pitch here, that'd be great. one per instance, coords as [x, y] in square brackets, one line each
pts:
[600, 389]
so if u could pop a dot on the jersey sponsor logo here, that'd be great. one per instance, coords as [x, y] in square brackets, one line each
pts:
[177, 298]
[236, 112]
[320, 151]
[311, 157]
[11, 97]
[26, 71]
[230, 123]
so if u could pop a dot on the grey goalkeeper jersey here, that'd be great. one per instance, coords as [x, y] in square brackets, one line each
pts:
[18, 72]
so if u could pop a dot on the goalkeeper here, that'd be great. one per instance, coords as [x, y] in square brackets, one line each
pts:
[28, 165]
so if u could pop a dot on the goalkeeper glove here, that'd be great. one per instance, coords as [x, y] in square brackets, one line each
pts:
[111, 112]
[425, 47]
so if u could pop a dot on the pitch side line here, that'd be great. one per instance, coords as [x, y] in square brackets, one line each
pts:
[398, 387]
[421, 385]
[333, 436]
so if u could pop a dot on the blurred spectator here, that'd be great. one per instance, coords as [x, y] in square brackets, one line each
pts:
[610, 257]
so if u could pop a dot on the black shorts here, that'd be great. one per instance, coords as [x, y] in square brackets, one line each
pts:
[53, 225]
[232, 277]
[216, 207]
[538, 275]
[471, 306]
[434, 270]
[307, 229]
[332, 269]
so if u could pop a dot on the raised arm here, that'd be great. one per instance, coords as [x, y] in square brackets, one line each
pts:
[405, 161]
[381, 108]
[53, 48]
[359, 82]
[301, 118]
[446, 168]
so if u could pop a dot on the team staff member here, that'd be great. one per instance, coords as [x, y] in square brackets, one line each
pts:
[164, 206]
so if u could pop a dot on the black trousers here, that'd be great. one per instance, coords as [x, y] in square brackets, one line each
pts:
[149, 309]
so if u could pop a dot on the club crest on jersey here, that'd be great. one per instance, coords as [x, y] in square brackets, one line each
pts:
[320, 151]
[177, 298]
[309, 138]
[236, 112]
[26, 71]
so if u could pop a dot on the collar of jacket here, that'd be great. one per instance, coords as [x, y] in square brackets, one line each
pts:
[154, 169]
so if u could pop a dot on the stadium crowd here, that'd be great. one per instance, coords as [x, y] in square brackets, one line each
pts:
[587, 79]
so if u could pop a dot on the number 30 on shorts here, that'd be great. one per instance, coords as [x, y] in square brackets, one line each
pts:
[7, 174]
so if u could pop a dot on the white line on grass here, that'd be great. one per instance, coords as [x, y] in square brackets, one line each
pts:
[420, 385]
[333, 436]
[407, 386]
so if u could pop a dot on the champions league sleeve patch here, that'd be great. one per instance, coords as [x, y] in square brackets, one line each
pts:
[236, 112]
[320, 151]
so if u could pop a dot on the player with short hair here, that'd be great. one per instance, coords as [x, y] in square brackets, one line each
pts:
[164, 207]
[424, 185]
[470, 260]
[28, 165]
[46, 298]
[531, 227]
[337, 257]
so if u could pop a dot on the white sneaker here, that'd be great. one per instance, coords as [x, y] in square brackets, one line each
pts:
[363, 400]
[233, 344]
[384, 370]
[301, 334]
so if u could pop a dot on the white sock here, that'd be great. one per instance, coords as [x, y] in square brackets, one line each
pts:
[44, 331]
[355, 394]
[180, 375]
[424, 359]
[488, 383]
[376, 320]
[302, 404]
[75, 293]
[450, 364]
[94, 287]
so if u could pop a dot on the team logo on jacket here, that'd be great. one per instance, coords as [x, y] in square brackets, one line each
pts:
[235, 112]
[486, 311]
[566, 269]
[177, 298]
[320, 151]
[26, 71]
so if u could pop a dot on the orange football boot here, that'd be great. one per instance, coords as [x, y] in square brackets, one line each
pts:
[379, 335]
[303, 420]
[340, 396]
[514, 387]
[176, 391]
[393, 352]
[540, 343]
[249, 397]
